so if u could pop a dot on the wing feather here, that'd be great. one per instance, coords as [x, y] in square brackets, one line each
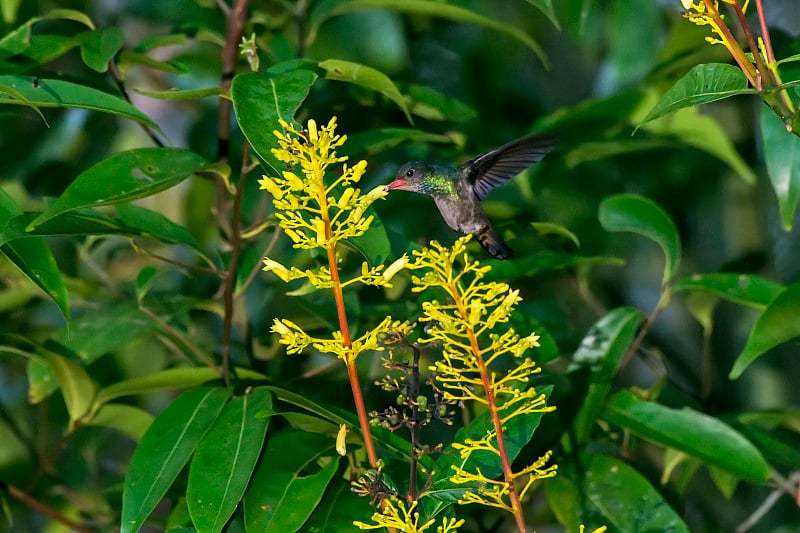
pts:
[492, 169]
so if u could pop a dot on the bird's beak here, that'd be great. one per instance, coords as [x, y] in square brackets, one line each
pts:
[399, 183]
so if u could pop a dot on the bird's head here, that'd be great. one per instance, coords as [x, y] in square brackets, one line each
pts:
[410, 177]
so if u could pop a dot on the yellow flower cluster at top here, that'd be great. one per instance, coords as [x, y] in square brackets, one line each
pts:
[315, 214]
[706, 13]
[318, 214]
[395, 514]
[464, 324]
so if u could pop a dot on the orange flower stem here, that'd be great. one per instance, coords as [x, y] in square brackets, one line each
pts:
[508, 474]
[352, 371]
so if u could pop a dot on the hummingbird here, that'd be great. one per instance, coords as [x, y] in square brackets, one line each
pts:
[458, 191]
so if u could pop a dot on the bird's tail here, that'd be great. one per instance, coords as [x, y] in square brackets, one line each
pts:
[492, 243]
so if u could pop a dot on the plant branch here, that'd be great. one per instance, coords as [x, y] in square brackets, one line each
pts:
[33, 503]
[180, 337]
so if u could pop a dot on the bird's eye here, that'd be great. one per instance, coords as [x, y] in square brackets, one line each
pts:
[409, 172]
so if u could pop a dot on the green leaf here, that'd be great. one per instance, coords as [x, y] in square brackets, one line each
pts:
[225, 459]
[340, 70]
[551, 228]
[171, 378]
[687, 430]
[374, 244]
[431, 104]
[530, 265]
[338, 508]
[383, 437]
[180, 94]
[782, 157]
[97, 333]
[156, 225]
[59, 93]
[290, 481]
[546, 7]
[745, 289]
[164, 450]
[42, 380]
[33, 257]
[126, 176]
[637, 214]
[98, 47]
[77, 387]
[261, 100]
[379, 140]
[626, 499]
[517, 433]
[326, 9]
[704, 83]
[779, 323]
[602, 350]
[127, 419]
[705, 133]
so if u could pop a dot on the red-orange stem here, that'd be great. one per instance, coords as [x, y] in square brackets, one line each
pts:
[352, 371]
[508, 474]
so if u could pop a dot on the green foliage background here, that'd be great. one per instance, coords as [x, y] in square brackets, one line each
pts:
[675, 228]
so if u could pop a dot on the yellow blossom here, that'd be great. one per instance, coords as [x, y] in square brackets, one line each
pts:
[395, 514]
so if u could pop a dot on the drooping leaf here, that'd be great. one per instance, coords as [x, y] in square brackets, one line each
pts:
[180, 94]
[127, 419]
[98, 47]
[32, 257]
[126, 176]
[225, 459]
[59, 93]
[164, 450]
[377, 140]
[782, 157]
[347, 71]
[290, 481]
[687, 430]
[42, 381]
[156, 225]
[745, 289]
[704, 83]
[170, 378]
[779, 323]
[77, 387]
[637, 214]
[260, 100]
[326, 9]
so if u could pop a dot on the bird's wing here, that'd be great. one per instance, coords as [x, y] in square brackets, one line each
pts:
[494, 168]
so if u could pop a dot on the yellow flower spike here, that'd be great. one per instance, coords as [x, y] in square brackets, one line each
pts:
[475, 362]
[316, 210]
